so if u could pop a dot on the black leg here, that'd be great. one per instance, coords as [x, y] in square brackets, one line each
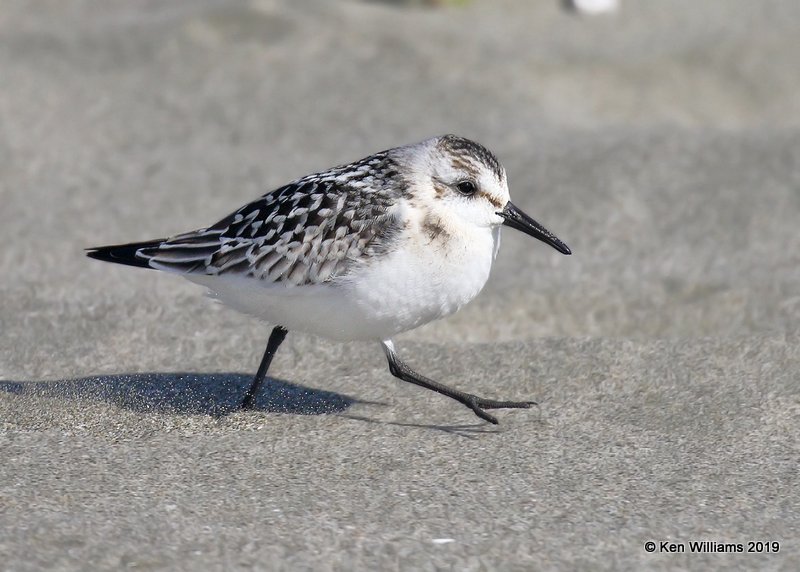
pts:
[477, 404]
[275, 340]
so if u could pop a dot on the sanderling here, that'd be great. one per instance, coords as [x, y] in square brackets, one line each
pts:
[359, 252]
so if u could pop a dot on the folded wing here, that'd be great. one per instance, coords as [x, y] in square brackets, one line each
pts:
[307, 232]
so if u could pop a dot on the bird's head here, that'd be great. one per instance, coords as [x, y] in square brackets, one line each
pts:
[470, 183]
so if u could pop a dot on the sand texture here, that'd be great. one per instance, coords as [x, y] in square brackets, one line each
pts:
[662, 143]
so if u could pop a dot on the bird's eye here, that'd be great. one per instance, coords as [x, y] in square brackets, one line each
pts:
[466, 188]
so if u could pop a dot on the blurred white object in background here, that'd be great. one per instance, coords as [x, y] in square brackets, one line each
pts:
[594, 6]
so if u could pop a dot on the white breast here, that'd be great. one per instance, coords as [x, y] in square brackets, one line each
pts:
[424, 280]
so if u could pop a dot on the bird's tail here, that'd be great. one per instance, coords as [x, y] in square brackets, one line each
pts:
[128, 254]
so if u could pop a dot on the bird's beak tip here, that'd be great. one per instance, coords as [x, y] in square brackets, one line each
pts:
[517, 219]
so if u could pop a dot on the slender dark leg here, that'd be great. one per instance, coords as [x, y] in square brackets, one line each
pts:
[477, 404]
[275, 340]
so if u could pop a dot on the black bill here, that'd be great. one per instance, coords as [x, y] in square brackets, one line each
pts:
[515, 218]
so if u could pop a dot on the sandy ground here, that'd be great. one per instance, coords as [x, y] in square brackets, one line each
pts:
[661, 143]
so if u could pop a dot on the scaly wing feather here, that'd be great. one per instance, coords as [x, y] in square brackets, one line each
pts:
[307, 232]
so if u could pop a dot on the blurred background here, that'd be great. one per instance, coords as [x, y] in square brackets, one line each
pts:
[659, 140]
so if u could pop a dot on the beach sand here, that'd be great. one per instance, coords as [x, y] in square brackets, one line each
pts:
[662, 143]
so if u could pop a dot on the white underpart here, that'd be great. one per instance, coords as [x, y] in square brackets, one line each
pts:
[421, 279]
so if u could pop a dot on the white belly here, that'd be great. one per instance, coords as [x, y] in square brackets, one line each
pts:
[416, 283]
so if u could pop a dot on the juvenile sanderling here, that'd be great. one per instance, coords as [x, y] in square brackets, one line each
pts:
[359, 252]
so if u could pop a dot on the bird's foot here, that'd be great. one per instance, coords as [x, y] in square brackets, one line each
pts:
[478, 404]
